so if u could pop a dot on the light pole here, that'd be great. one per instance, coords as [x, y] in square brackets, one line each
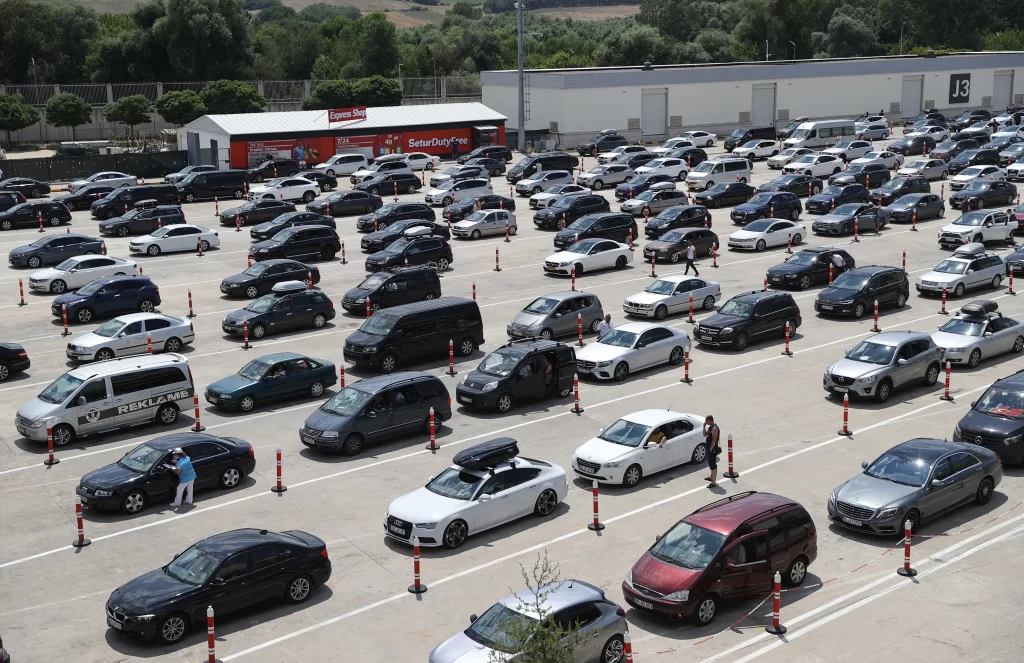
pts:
[901, 36]
[766, 53]
[521, 138]
[794, 49]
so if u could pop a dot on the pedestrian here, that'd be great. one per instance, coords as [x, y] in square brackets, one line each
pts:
[839, 262]
[691, 254]
[605, 326]
[186, 476]
[455, 148]
[302, 164]
[711, 435]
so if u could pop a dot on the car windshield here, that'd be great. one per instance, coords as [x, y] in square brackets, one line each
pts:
[142, 458]
[92, 287]
[542, 305]
[347, 403]
[785, 179]
[978, 185]
[661, 287]
[739, 133]
[598, 170]
[971, 219]
[964, 327]
[853, 170]
[914, 165]
[967, 155]
[847, 210]
[802, 258]
[557, 188]
[674, 236]
[647, 195]
[66, 265]
[718, 188]
[800, 134]
[900, 468]
[1014, 148]
[110, 328]
[495, 629]
[688, 546]
[398, 246]
[61, 388]
[757, 226]
[374, 281]
[582, 247]
[160, 232]
[704, 167]
[262, 305]
[562, 203]
[455, 483]
[584, 223]
[245, 207]
[477, 216]
[618, 338]
[254, 370]
[832, 191]
[194, 566]
[738, 308]
[806, 158]
[1002, 402]
[256, 269]
[945, 145]
[872, 353]
[843, 144]
[750, 144]
[951, 267]
[760, 199]
[379, 324]
[637, 179]
[793, 151]
[626, 433]
[444, 186]
[851, 281]
[499, 364]
[973, 171]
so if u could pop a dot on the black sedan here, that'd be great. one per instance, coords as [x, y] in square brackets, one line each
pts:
[28, 214]
[898, 187]
[927, 206]
[801, 185]
[54, 249]
[493, 166]
[271, 228]
[913, 145]
[412, 251]
[809, 267]
[392, 212]
[13, 359]
[382, 239]
[691, 155]
[460, 210]
[1014, 262]
[255, 211]
[9, 199]
[263, 276]
[26, 186]
[275, 377]
[288, 307]
[984, 193]
[84, 198]
[143, 220]
[140, 477]
[868, 174]
[323, 180]
[640, 183]
[347, 202]
[228, 572]
[836, 195]
[680, 216]
[391, 184]
[720, 195]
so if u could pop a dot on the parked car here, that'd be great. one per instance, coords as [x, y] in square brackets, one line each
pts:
[422, 161]
[34, 214]
[982, 193]
[607, 140]
[174, 178]
[391, 213]
[120, 200]
[673, 294]
[969, 117]
[379, 240]
[631, 347]
[339, 165]
[389, 183]
[811, 266]
[460, 172]
[588, 255]
[272, 169]
[722, 195]
[272, 378]
[524, 370]
[973, 159]
[836, 195]
[950, 149]
[76, 271]
[673, 166]
[565, 211]
[869, 174]
[750, 316]
[179, 237]
[979, 331]
[557, 314]
[300, 243]
[936, 133]
[898, 187]
[852, 217]
[673, 144]
[106, 297]
[920, 145]
[757, 149]
[637, 184]
[916, 207]
[607, 225]
[289, 220]
[53, 250]
[801, 185]
[678, 216]
[996, 420]
[871, 131]
[253, 212]
[455, 190]
[496, 167]
[978, 227]
[599, 176]
[891, 160]
[466, 206]
[855, 292]
[342, 203]
[786, 156]
[491, 151]
[815, 164]
[143, 220]
[290, 305]
[605, 157]
[878, 365]
[324, 181]
[659, 197]
[216, 184]
[392, 287]
[486, 222]
[419, 246]
[1010, 155]
[286, 188]
[81, 199]
[722, 169]
[532, 165]
[132, 334]
[551, 194]
[741, 136]
[759, 235]
[261, 277]
[768, 204]
[13, 360]
[671, 247]
[970, 266]
[111, 178]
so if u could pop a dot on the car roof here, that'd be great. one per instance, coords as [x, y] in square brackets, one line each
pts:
[554, 596]
[123, 364]
[168, 442]
[654, 417]
[1014, 379]
[758, 295]
[113, 279]
[243, 539]
[135, 317]
[930, 449]
[379, 382]
[529, 345]
[872, 269]
[281, 356]
[725, 515]
[640, 327]
[895, 338]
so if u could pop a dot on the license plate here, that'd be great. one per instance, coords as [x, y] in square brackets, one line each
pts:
[825, 307]
[465, 399]
[705, 337]
[580, 369]
[644, 604]
[84, 500]
[211, 399]
[776, 279]
[841, 390]
[851, 521]
[307, 439]
[394, 529]
[549, 269]
[70, 355]
[113, 623]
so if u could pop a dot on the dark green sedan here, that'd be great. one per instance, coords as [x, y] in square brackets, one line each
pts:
[276, 377]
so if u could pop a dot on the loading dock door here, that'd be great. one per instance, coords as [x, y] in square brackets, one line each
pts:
[913, 93]
[654, 111]
[762, 105]
[1002, 89]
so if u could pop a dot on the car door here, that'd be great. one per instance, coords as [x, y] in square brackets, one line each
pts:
[300, 245]
[746, 567]
[281, 317]
[109, 299]
[297, 379]
[529, 379]
[908, 357]
[1005, 332]
[679, 300]
[229, 589]
[492, 505]
[938, 498]
[654, 346]
[778, 233]
[209, 459]
[409, 411]
[159, 330]
[92, 407]
[967, 475]
[763, 322]
[581, 622]
[681, 438]
[131, 340]
[269, 578]
[523, 491]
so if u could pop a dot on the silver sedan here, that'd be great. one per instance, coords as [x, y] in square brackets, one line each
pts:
[930, 169]
[132, 334]
[974, 334]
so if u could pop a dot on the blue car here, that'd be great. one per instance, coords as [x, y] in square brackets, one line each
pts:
[275, 377]
[107, 297]
[768, 204]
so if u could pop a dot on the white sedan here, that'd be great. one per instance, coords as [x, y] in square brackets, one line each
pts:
[639, 444]
[787, 155]
[181, 237]
[816, 164]
[589, 255]
[760, 235]
[286, 188]
[422, 161]
[700, 137]
[673, 144]
[672, 166]
[549, 195]
[938, 133]
[757, 149]
[75, 272]
[849, 149]
[108, 177]
[890, 159]
[605, 157]
[673, 294]
[462, 501]
[631, 347]
[132, 334]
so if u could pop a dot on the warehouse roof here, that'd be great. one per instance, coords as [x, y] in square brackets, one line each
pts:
[291, 122]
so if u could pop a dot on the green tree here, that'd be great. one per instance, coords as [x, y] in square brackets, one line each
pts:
[329, 94]
[205, 39]
[180, 106]
[377, 91]
[318, 12]
[466, 10]
[130, 111]
[378, 44]
[1008, 40]
[225, 97]
[68, 110]
[849, 37]
[15, 114]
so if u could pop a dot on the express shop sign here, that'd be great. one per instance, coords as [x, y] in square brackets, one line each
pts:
[346, 114]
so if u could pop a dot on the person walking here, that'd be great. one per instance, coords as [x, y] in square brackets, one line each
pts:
[691, 254]
[605, 326]
[711, 435]
[455, 148]
[186, 476]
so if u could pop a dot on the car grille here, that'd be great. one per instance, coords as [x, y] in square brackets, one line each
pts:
[85, 490]
[590, 468]
[820, 227]
[956, 186]
[854, 511]
[397, 522]
[22, 421]
[736, 214]
[646, 591]
[312, 432]
[950, 237]
[980, 439]
[930, 284]
[116, 616]
[586, 365]
[552, 265]
[841, 379]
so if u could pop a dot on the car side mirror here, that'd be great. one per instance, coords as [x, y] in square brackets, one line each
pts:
[729, 566]
[81, 400]
[901, 362]
[371, 414]
[217, 581]
[485, 497]
[657, 537]
[938, 483]
[988, 333]
[472, 618]
[864, 465]
[176, 555]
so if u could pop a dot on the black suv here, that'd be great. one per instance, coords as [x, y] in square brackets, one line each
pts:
[143, 220]
[983, 193]
[727, 193]
[496, 167]
[769, 204]
[393, 287]
[305, 242]
[382, 239]
[910, 145]
[635, 160]
[290, 305]
[969, 158]
[640, 183]
[498, 152]
[967, 118]
[391, 183]
[996, 420]
[272, 168]
[519, 371]
[749, 317]
[564, 211]
[27, 215]
[606, 141]
[855, 292]
[255, 211]
[691, 155]
[539, 162]
[740, 136]
[416, 248]
[950, 149]
[603, 225]
[898, 187]
[680, 216]
[261, 277]
[798, 183]
[392, 212]
[809, 267]
[83, 198]
[53, 249]
[837, 195]
[925, 115]
[9, 199]
[460, 210]
[868, 174]
[290, 220]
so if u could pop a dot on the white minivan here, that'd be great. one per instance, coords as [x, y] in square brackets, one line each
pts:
[718, 171]
[824, 133]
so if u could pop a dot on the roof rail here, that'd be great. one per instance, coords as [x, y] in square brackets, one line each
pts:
[725, 500]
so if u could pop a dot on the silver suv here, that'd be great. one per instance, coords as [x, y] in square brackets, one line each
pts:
[557, 315]
[885, 362]
[970, 266]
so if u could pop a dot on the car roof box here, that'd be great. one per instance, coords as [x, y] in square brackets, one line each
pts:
[972, 249]
[664, 186]
[487, 454]
[286, 287]
[979, 307]
[146, 204]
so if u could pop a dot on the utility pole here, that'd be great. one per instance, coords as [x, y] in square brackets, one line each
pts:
[520, 7]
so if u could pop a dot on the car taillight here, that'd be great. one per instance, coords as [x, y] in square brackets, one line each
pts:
[999, 460]
[323, 553]
[252, 452]
[619, 611]
[798, 310]
[22, 355]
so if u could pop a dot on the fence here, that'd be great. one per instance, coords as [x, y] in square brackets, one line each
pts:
[66, 169]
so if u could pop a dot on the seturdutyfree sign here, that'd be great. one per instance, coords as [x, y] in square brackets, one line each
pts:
[346, 114]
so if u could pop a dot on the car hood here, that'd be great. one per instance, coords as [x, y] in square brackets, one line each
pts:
[719, 321]
[821, 198]
[68, 299]
[361, 339]
[854, 369]
[844, 179]
[36, 409]
[948, 340]
[991, 424]
[460, 648]
[438, 192]
[564, 256]
[267, 227]
[959, 230]
[230, 385]
[939, 277]
[466, 225]
[380, 256]
[596, 450]
[566, 235]
[661, 577]
[787, 268]
[872, 492]
[140, 595]
[601, 352]
[528, 319]
[901, 207]
[549, 213]
[644, 297]
[320, 420]
[265, 244]
[745, 234]
[261, 189]
[355, 293]
[110, 476]
[379, 235]
[461, 207]
[771, 186]
[241, 315]
[423, 506]
[833, 294]
[662, 246]
[23, 250]
[47, 274]
[832, 218]
[749, 207]
[635, 203]
[91, 340]
[239, 278]
[963, 178]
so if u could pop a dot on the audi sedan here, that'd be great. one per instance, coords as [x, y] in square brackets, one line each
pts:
[272, 378]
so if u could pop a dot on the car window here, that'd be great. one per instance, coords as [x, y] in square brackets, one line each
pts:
[234, 567]
[497, 483]
[267, 556]
[94, 391]
[407, 395]
[204, 450]
[796, 523]
[678, 427]
[751, 551]
[776, 532]
[943, 469]
[157, 323]
[133, 328]
[575, 617]
[963, 461]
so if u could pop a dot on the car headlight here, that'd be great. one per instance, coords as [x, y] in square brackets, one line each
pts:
[629, 577]
[140, 619]
[790, 276]
[234, 285]
[361, 300]
[226, 397]
[490, 386]
[564, 264]
[370, 349]
[262, 250]
[845, 301]
[832, 497]
[680, 597]
[425, 525]
[104, 493]
[37, 424]
[1016, 439]
[602, 364]
[617, 463]
[958, 434]
[888, 512]
[955, 349]
[867, 379]
[727, 330]
[329, 433]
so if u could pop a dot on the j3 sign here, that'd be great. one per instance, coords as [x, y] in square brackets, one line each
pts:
[959, 88]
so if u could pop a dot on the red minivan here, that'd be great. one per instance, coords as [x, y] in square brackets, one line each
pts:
[729, 549]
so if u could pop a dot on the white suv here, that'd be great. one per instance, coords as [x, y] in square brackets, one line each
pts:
[341, 164]
[757, 149]
[978, 226]
[849, 149]
[453, 191]
[664, 166]
[605, 157]
[542, 180]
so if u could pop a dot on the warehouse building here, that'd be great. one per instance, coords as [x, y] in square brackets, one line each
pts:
[243, 139]
[654, 102]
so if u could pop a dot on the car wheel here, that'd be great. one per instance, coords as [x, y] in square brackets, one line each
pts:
[370, 209]
[984, 493]
[258, 330]
[859, 310]
[676, 356]
[958, 291]
[146, 306]
[190, 197]
[740, 342]
[58, 286]
[167, 414]
[915, 520]
[374, 190]
[411, 188]
[6, 225]
[455, 534]
[815, 190]
[620, 263]
[298, 589]
[974, 359]
[632, 476]
[796, 572]
[621, 371]
[252, 292]
[807, 172]
[673, 257]
[204, 244]
[133, 502]
[760, 245]
[661, 312]
[352, 445]
[595, 326]
[546, 334]
[319, 321]
[466, 347]
[84, 315]
[944, 175]
[246, 403]
[613, 650]
[442, 264]
[996, 280]
[883, 391]
[63, 435]
[797, 239]
[578, 268]
[475, 234]
[942, 212]
[805, 282]
[700, 452]
[173, 628]
[34, 262]
[794, 215]
[5, 372]
[1018, 345]
[546, 503]
[388, 363]
[112, 214]
[513, 229]
[931, 376]
[978, 239]
[706, 609]
[504, 403]
[153, 250]
[173, 344]
[597, 185]
[230, 477]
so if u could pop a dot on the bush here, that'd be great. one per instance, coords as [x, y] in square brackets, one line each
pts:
[181, 106]
[377, 91]
[329, 94]
[227, 97]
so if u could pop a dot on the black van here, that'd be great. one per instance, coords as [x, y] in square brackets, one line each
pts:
[539, 162]
[217, 184]
[741, 136]
[520, 370]
[415, 331]
[119, 201]
[374, 410]
[393, 287]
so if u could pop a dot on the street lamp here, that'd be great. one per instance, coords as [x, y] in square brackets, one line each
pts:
[901, 37]
[766, 53]
[794, 49]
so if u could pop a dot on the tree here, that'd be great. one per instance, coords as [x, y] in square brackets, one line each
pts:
[319, 12]
[205, 39]
[378, 44]
[849, 37]
[466, 10]
[180, 106]
[68, 110]
[377, 91]
[129, 111]
[329, 94]
[15, 114]
[226, 97]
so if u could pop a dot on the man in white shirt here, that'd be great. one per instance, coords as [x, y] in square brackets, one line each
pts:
[839, 262]
[691, 254]
[605, 326]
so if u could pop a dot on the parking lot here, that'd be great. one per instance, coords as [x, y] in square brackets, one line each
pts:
[784, 426]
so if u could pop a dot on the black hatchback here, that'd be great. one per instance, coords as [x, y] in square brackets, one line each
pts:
[54, 249]
[226, 572]
[290, 305]
[607, 225]
[912, 145]
[13, 359]
[749, 317]
[29, 214]
[922, 205]
[288, 220]
[255, 211]
[809, 267]
[983, 193]
[392, 287]
[855, 292]
[346, 202]
[968, 158]
[721, 195]
[263, 276]
[460, 210]
[868, 174]
[143, 220]
[382, 239]
[524, 370]
[84, 198]
[302, 242]
[412, 249]
[796, 183]
[391, 212]
[680, 216]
